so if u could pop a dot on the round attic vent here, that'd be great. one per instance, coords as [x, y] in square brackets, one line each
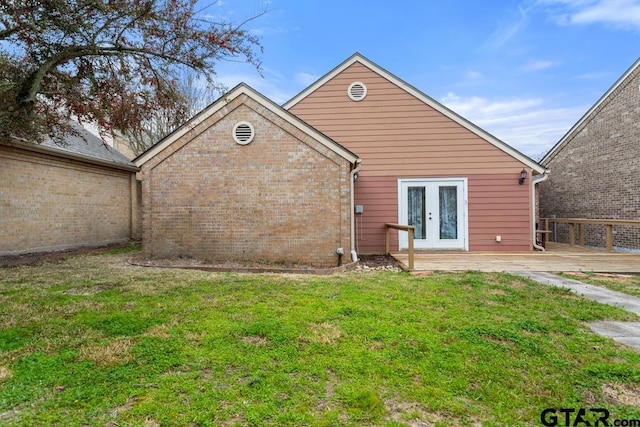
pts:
[357, 91]
[243, 133]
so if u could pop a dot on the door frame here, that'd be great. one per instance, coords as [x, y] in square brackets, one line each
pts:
[464, 217]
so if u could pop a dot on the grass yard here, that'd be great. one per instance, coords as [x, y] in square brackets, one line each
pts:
[626, 283]
[92, 340]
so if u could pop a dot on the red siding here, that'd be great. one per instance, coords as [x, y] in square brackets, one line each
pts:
[399, 136]
[497, 207]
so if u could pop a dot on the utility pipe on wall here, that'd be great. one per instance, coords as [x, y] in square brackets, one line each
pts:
[536, 180]
[354, 171]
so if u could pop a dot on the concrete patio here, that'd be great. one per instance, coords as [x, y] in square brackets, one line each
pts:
[558, 257]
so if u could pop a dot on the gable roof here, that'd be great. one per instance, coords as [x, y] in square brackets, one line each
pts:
[358, 58]
[85, 146]
[587, 116]
[243, 89]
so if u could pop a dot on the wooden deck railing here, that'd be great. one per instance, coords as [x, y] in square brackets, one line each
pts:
[411, 229]
[609, 223]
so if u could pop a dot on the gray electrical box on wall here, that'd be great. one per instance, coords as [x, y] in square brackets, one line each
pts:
[359, 209]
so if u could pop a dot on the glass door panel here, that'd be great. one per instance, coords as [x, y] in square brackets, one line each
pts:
[417, 210]
[448, 206]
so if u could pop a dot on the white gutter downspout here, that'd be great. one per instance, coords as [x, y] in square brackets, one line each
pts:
[536, 180]
[354, 255]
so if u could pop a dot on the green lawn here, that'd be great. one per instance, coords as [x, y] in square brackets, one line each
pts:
[94, 341]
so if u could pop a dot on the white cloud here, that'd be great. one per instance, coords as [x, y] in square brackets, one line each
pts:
[269, 87]
[474, 75]
[538, 65]
[527, 124]
[624, 14]
[593, 76]
[509, 29]
[305, 79]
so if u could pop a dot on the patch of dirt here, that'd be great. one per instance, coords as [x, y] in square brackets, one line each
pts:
[623, 394]
[256, 340]
[122, 408]
[90, 290]
[415, 415]
[239, 266]
[222, 264]
[377, 263]
[54, 256]
[409, 413]
[366, 263]
[326, 403]
[324, 333]
[5, 373]
[114, 353]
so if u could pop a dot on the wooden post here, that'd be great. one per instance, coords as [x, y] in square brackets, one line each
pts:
[572, 238]
[610, 237]
[386, 240]
[580, 235]
[410, 231]
[545, 236]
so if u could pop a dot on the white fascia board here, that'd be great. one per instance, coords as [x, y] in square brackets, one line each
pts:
[243, 89]
[301, 125]
[422, 97]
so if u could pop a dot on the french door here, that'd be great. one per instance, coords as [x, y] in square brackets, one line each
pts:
[437, 208]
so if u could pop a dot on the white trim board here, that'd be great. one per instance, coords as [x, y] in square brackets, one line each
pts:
[243, 89]
[463, 212]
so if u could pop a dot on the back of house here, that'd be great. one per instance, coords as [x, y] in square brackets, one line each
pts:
[422, 164]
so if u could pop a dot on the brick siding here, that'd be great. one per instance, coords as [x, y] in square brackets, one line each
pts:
[49, 202]
[282, 198]
[595, 174]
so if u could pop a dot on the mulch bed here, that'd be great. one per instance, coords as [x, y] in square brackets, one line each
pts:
[366, 262]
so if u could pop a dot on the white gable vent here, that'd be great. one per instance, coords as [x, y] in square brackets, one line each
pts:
[243, 133]
[357, 91]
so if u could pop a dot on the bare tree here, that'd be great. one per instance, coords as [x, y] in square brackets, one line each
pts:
[197, 94]
[113, 63]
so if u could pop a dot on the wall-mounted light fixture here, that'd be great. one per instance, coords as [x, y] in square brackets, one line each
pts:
[523, 176]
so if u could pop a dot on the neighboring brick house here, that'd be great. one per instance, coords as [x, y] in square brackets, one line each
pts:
[596, 165]
[55, 197]
[246, 180]
[291, 194]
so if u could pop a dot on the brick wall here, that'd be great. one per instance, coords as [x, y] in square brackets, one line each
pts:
[595, 174]
[50, 203]
[282, 198]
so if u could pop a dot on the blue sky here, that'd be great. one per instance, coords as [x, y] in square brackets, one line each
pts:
[524, 71]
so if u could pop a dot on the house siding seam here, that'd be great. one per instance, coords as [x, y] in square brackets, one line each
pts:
[51, 203]
[594, 174]
[399, 136]
[282, 198]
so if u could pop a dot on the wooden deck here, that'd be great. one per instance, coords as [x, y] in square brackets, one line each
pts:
[558, 257]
